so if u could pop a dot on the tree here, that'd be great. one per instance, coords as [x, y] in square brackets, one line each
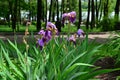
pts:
[106, 3]
[117, 6]
[58, 22]
[80, 14]
[39, 11]
[98, 5]
[46, 12]
[50, 10]
[62, 7]
[53, 10]
[57, 10]
[93, 14]
[14, 15]
[5, 12]
[88, 15]
[72, 5]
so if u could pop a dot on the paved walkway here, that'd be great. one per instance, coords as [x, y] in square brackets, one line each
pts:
[99, 37]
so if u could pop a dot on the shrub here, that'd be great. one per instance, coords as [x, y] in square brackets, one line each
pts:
[3, 22]
[34, 23]
[114, 48]
[107, 24]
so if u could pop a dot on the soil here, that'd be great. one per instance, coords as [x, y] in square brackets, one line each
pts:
[98, 37]
[107, 63]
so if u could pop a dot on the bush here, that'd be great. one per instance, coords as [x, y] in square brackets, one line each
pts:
[34, 23]
[114, 48]
[117, 25]
[107, 24]
[3, 22]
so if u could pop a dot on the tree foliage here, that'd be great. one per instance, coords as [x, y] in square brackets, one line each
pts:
[96, 10]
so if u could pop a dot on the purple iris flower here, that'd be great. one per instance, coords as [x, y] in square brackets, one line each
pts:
[41, 43]
[65, 16]
[72, 17]
[72, 39]
[50, 26]
[45, 39]
[80, 32]
[41, 32]
[48, 35]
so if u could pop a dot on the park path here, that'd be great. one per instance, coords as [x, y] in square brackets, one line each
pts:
[99, 37]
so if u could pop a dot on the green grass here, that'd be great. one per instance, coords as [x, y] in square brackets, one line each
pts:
[91, 30]
[5, 28]
[73, 29]
[32, 28]
[66, 28]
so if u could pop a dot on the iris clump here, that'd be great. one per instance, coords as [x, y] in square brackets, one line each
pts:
[46, 35]
[70, 17]
[73, 38]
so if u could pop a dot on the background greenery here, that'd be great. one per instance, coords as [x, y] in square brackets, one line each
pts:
[103, 14]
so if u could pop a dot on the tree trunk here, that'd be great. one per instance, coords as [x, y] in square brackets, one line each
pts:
[93, 15]
[117, 10]
[19, 14]
[97, 10]
[39, 7]
[10, 11]
[57, 10]
[80, 14]
[62, 7]
[58, 22]
[117, 23]
[101, 12]
[53, 16]
[45, 13]
[88, 15]
[53, 11]
[8, 19]
[106, 9]
[50, 10]
[106, 24]
[14, 16]
[29, 16]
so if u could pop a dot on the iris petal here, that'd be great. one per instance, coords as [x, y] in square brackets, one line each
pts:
[80, 32]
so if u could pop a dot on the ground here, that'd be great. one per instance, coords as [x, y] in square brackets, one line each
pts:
[99, 37]
[107, 63]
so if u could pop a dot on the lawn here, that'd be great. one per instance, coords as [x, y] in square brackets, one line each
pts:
[32, 28]
[5, 28]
